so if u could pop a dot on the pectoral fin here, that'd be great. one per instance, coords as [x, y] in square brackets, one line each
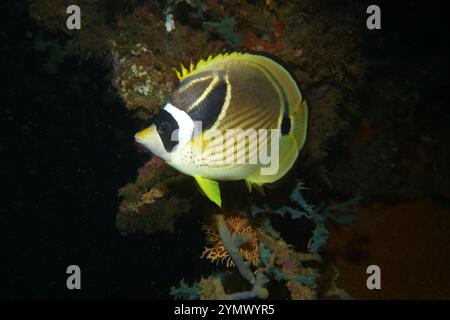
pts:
[210, 188]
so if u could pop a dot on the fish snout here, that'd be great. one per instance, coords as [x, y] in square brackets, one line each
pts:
[150, 139]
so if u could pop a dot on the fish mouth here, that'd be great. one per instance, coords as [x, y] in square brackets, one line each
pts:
[138, 138]
[143, 134]
[150, 139]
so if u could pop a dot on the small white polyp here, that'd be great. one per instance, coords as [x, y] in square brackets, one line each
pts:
[185, 123]
[170, 24]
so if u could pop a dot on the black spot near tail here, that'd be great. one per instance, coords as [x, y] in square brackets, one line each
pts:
[285, 125]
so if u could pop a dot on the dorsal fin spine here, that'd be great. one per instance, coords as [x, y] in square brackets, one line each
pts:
[184, 72]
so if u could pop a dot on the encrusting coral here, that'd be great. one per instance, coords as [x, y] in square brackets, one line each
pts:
[148, 206]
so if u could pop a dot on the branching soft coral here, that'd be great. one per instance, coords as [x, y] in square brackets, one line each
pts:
[232, 244]
[216, 252]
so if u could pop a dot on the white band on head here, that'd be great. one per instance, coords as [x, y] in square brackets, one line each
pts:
[185, 123]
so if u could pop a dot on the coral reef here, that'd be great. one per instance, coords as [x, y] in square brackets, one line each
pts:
[299, 291]
[319, 214]
[277, 260]
[92, 40]
[186, 292]
[225, 28]
[148, 206]
[233, 244]
[318, 46]
[211, 288]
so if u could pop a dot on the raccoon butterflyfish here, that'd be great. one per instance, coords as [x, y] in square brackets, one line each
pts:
[222, 117]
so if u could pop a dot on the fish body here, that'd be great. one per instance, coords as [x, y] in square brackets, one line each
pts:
[236, 116]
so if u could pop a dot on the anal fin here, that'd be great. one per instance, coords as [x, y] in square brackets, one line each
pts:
[257, 187]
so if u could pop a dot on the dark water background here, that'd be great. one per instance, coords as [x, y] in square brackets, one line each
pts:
[66, 148]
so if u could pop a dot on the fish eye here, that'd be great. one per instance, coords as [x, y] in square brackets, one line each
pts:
[164, 128]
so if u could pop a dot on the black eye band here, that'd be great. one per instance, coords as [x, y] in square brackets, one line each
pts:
[166, 125]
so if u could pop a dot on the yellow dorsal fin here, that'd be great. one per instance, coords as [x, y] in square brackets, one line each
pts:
[210, 188]
[193, 67]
